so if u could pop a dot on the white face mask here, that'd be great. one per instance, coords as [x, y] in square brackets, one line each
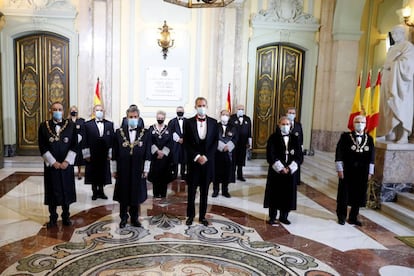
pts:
[99, 114]
[291, 116]
[132, 122]
[285, 129]
[224, 119]
[359, 126]
[201, 111]
[240, 112]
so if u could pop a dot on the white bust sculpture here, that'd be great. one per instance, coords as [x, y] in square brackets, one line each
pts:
[396, 102]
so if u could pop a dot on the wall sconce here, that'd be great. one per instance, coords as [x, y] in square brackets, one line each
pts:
[165, 42]
[406, 13]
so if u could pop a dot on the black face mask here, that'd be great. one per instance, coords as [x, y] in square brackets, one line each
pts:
[179, 113]
[73, 113]
[160, 121]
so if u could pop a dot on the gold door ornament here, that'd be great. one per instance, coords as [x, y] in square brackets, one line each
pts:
[278, 87]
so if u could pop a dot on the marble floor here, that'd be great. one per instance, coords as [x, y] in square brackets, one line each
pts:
[340, 250]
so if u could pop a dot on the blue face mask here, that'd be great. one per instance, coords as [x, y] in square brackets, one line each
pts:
[285, 129]
[132, 122]
[201, 111]
[240, 113]
[291, 116]
[99, 114]
[57, 115]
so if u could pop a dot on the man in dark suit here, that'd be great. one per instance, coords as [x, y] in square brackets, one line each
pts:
[283, 154]
[200, 140]
[244, 130]
[57, 145]
[355, 159]
[296, 130]
[176, 127]
[97, 151]
[132, 155]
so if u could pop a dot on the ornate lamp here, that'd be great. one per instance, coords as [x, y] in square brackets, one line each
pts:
[165, 41]
[200, 3]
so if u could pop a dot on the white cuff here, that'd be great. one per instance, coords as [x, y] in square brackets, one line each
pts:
[147, 165]
[79, 138]
[339, 166]
[250, 142]
[231, 146]
[70, 157]
[278, 166]
[220, 146]
[48, 159]
[110, 153]
[86, 153]
[114, 166]
[176, 137]
[153, 149]
[293, 167]
[371, 168]
[195, 158]
[166, 151]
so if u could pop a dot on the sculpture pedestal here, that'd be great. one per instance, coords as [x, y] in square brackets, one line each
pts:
[394, 168]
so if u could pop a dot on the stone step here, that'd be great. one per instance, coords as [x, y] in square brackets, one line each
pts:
[406, 200]
[398, 212]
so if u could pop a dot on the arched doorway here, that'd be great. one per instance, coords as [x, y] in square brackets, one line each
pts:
[278, 86]
[42, 77]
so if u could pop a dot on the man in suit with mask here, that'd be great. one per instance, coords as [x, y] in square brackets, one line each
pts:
[200, 140]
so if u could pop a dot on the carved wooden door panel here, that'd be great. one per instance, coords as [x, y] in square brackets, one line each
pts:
[42, 77]
[278, 87]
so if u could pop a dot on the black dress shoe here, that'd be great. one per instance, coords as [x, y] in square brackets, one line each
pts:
[215, 194]
[136, 223]
[122, 224]
[241, 178]
[284, 221]
[94, 197]
[103, 196]
[189, 221]
[272, 222]
[355, 222]
[226, 195]
[341, 221]
[51, 224]
[204, 222]
[66, 222]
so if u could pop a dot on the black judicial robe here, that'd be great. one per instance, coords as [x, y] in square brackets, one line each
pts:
[281, 189]
[178, 150]
[224, 159]
[59, 184]
[356, 160]
[130, 188]
[160, 172]
[79, 124]
[97, 170]
[244, 131]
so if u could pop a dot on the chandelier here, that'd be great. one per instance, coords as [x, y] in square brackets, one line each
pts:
[200, 3]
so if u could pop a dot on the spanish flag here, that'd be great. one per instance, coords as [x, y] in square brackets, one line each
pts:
[356, 106]
[374, 118]
[228, 102]
[366, 102]
[97, 96]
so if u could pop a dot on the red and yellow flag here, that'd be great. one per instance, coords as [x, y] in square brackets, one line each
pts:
[97, 96]
[366, 102]
[356, 105]
[228, 102]
[374, 118]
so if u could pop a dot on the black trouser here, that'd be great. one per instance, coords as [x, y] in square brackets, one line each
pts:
[224, 187]
[273, 213]
[97, 189]
[132, 210]
[192, 189]
[239, 171]
[53, 216]
[182, 170]
[342, 203]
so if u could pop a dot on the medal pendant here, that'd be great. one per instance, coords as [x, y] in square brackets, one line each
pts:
[57, 139]
[353, 147]
[125, 144]
[159, 136]
[51, 139]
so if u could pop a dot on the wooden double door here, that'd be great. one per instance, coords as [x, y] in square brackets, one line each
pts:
[278, 86]
[42, 78]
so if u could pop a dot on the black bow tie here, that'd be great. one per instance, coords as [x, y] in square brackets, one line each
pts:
[180, 118]
[285, 135]
[132, 129]
[201, 119]
[99, 121]
[58, 124]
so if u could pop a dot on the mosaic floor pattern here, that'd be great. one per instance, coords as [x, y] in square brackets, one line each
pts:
[166, 246]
